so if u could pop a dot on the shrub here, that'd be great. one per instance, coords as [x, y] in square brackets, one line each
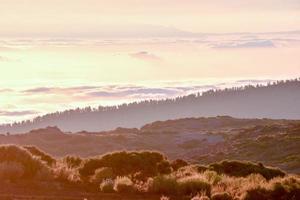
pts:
[178, 163]
[204, 198]
[64, 174]
[72, 161]
[193, 185]
[258, 193]
[163, 184]
[285, 188]
[221, 196]
[212, 177]
[101, 174]
[164, 167]
[242, 169]
[45, 174]
[200, 197]
[201, 168]
[11, 170]
[40, 154]
[13, 153]
[279, 188]
[125, 163]
[89, 167]
[124, 185]
[107, 186]
[188, 170]
[164, 198]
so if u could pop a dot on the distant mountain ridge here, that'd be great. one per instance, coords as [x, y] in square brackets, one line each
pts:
[280, 100]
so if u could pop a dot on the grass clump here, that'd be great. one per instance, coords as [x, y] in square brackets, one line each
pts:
[280, 188]
[178, 163]
[127, 163]
[21, 157]
[193, 185]
[102, 174]
[41, 154]
[124, 185]
[72, 161]
[221, 196]
[243, 169]
[107, 186]
[11, 170]
[163, 184]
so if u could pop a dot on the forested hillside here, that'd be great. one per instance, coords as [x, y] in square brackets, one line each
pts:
[280, 100]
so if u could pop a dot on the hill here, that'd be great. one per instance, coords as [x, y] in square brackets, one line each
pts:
[197, 140]
[280, 100]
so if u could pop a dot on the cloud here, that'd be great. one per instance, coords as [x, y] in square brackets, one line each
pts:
[6, 90]
[114, 91]
[6, 59]
[136, 92]
[253, 81]
[144, 55]
[38, 90]
[51, 99]
[211, 40]
[58, 90]
[18, 113]
[133, 92]
[246, 44]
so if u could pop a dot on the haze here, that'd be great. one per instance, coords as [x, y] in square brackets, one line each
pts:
[52, 53]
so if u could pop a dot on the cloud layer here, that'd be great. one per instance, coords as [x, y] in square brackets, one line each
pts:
[18, 113]
[41, 99]
[144, 55]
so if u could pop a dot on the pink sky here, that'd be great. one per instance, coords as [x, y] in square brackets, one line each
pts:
[142, 43]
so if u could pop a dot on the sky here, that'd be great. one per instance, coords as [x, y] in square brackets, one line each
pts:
[56, 55]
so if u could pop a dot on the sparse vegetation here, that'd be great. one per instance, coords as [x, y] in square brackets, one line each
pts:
[117, 172]
[102, 174]
[107, 186]
[127, 163]
[124, 185]
[242, 169]
[40, 154]
[21, 159]
[72, 161]
[11, 170]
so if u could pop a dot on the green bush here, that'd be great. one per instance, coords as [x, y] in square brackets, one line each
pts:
[72, 161]
[258, 193]
[243, 169]
[188, 170]
[40, 154]
[164, 167]
[65, 174]
[31, 165]
[283, 189]
[202, 197]
[11, 170]
[107, 186]
[124, 185]
[221, 196]
[178, 163]
[126, 163]
[163, 184]
[193, 185]
[212, 177]
[102, 174]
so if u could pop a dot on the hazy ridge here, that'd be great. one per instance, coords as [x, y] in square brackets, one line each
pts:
[280, 100]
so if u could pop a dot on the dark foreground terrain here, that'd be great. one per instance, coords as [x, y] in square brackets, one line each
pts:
[202, 158]
[29, 173]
